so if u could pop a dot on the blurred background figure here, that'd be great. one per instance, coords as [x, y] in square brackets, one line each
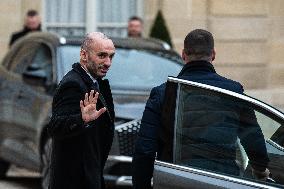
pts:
[32, 23]
[135, 27]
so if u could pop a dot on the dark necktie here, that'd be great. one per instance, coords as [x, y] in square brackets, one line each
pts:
[101, 98]
[96, 85]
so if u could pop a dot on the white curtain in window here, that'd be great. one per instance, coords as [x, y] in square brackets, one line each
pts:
[66, 17]
[112, 16]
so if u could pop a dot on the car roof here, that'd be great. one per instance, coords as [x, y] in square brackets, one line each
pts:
[132, 43]
[54, 40]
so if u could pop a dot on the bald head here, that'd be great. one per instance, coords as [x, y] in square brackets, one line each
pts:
[96, 54]
[91, 39]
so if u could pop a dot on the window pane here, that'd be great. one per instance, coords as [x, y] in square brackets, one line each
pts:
[112, 16]
[23, 57]
[115, 11]
[66, 17]
[268, 125]
[65, 11]
[39, 71]
[129, 62]
[66, 55]
[210, 124]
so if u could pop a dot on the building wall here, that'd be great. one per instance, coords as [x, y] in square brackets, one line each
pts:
[248, 34]
[276, 43]
[242, 32]
[12, 13]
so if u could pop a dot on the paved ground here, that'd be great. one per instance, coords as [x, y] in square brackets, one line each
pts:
[18, 178]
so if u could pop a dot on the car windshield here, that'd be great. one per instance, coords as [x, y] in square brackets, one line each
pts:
[131, 68]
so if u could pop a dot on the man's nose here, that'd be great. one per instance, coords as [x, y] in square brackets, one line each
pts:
[108, 61]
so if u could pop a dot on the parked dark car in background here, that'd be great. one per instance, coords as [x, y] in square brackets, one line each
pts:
[29, 75]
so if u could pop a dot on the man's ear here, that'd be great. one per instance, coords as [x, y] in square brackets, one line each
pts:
[213, 54]
[183, 56]
[83, 55]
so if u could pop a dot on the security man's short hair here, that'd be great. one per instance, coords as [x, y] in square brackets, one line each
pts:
[135, 18]
[199, 42]
[32, 13]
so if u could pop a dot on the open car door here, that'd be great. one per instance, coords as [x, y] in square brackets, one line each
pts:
[206, 135]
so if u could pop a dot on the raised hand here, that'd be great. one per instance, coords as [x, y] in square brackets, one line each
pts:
[89, 107]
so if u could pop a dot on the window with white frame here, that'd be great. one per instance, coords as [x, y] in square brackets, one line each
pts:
[65, 17]
[76, 17]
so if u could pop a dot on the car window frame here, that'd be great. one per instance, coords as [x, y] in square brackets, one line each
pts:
[225, 178]
[273, 112]
[9, 59]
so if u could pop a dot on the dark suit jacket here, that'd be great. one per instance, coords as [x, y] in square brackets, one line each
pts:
[148, 142]
[79, 152]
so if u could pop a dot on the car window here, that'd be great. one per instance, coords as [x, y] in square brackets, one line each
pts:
[21, 57]
[33, 61]
[38, 71]
[145, 68]
[223, 133]
[66, 56]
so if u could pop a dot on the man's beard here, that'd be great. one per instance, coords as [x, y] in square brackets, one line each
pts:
[93, 69]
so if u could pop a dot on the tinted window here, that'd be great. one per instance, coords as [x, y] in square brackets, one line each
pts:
[141, 69]
[225, 134]
[39, 70]
[130, 68]
[22, 57]
[67, 55]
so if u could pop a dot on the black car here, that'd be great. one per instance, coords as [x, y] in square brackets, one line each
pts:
[30, 73]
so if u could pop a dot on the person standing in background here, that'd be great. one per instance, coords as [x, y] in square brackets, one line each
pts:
[32, 23]
[135, 27]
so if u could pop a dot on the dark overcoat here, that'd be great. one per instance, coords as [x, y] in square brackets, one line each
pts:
[79, 151]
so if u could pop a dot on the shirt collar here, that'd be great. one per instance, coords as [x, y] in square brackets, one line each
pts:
[93, 79]
[197, 66]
